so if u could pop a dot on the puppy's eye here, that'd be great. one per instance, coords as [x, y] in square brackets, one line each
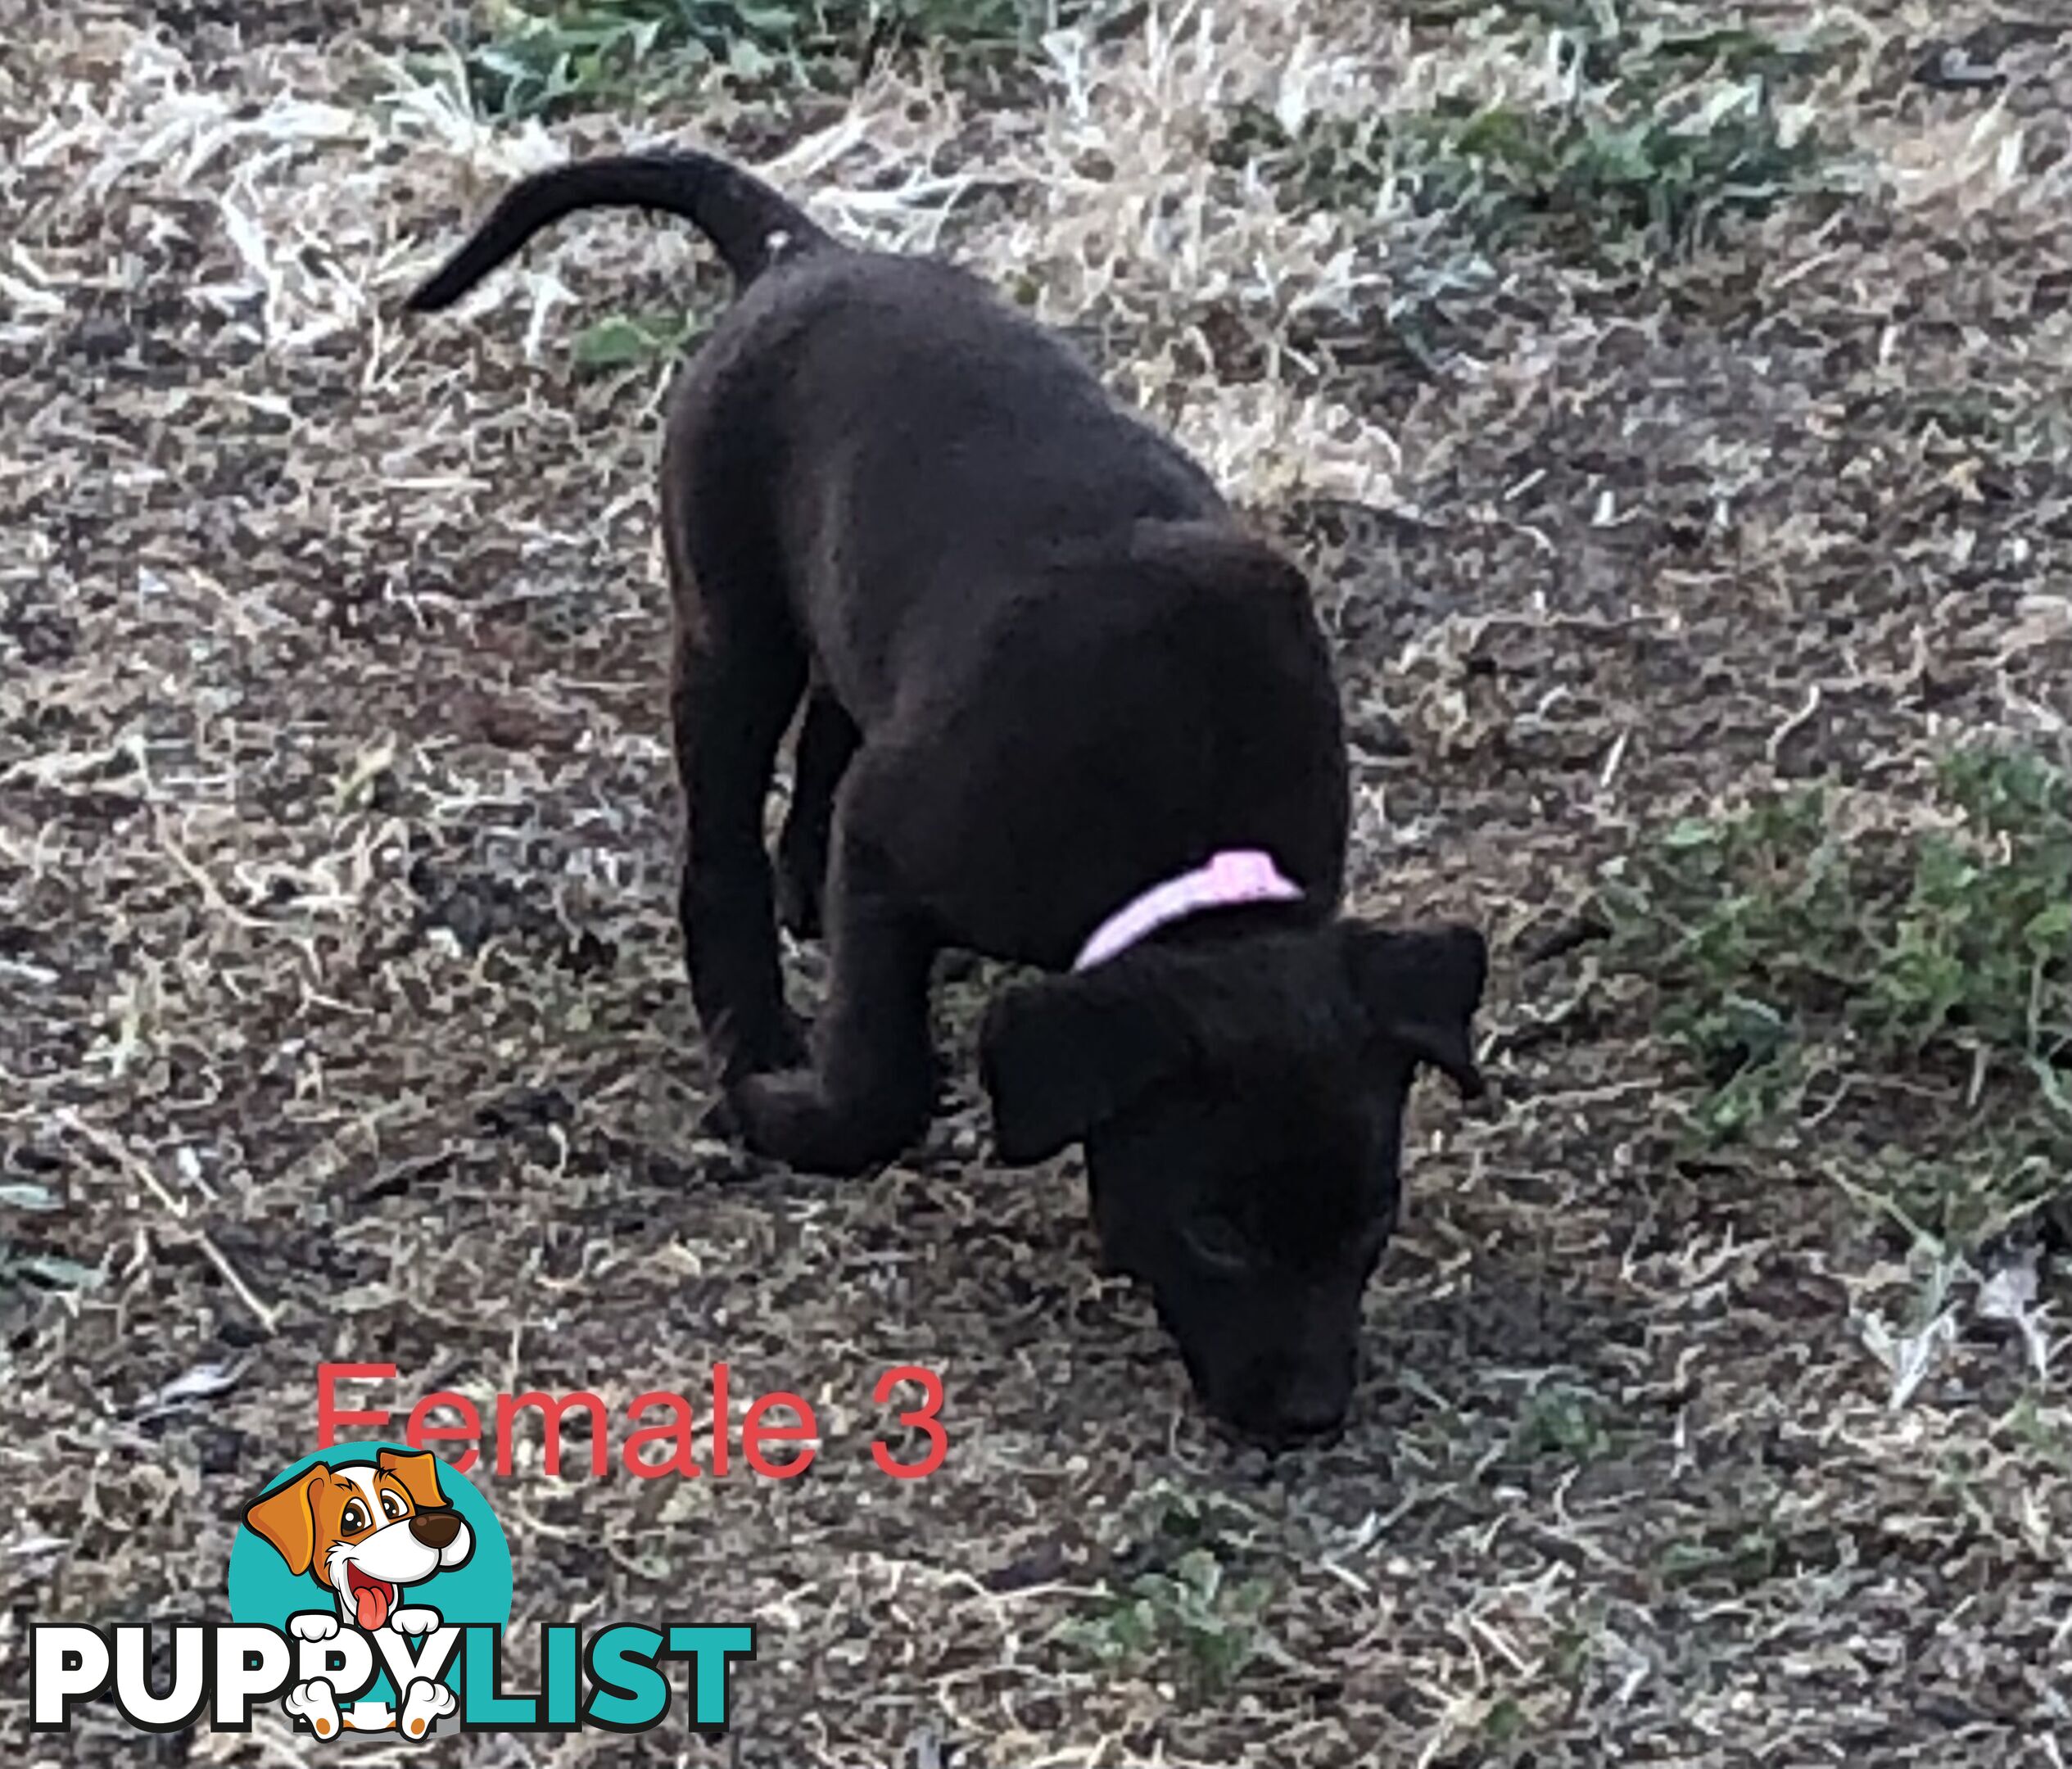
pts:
[392, 1505]
[1218, 1242]
[353, 1518]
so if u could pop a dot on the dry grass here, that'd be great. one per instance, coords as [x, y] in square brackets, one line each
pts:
[340, 1004]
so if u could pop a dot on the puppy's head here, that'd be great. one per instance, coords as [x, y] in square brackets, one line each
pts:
[364, 1529]
[1241, 1105]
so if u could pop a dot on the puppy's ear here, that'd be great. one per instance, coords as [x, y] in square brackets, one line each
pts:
[1059, 1057]
[286, 1519]
[1420, 990]
[419, 1474]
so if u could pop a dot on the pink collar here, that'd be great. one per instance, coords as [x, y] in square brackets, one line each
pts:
[1235, 876]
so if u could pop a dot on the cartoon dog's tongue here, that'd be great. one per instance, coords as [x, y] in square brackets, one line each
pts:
[370, 1598]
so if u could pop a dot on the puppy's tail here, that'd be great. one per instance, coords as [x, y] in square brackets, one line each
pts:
[746, 220]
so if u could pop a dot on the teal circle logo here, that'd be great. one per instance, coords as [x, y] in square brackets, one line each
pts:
[369, 1537]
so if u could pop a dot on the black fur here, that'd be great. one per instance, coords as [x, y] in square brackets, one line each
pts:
[1044, 666]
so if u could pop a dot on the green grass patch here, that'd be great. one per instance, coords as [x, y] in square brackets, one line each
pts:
[1651, 187]
[2047, 1438]
[1190, 1604]
[1922, 974]
[1504, 1723]
[1576, 1644]
[1559, 1420]
[1672, 133]
[1195, 1614]
[625, 341]
[549, 57]
[1737, 1561]
[1643, 38]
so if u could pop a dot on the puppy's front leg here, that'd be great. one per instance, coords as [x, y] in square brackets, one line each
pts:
[871, 1090]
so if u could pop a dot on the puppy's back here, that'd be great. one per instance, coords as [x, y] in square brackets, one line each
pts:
[929, 393]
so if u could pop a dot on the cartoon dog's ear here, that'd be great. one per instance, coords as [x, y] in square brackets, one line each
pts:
[1420, 991]
[1059, 1057]
[286, 1519]
[419, 1474]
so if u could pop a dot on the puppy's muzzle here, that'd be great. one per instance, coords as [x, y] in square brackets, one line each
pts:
[435, 1529]
[1284, 1407]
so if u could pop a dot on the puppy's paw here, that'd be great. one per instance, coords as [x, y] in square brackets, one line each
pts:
[789, 1117]
[314, 1625]
[719, 1121]
[414, 1618]
[775, 1048]
[315, 1701]
[423, 1702]
[782, 1113]
[745, 1047]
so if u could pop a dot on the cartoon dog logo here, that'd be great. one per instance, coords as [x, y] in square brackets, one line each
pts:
[365, 1532]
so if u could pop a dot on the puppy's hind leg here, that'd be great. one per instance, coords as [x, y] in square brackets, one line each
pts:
[740, 671]
[827, 740]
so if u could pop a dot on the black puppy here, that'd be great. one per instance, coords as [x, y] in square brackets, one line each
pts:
[1061, 709]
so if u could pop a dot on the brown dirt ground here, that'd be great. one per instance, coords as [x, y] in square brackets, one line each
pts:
[341, 1004]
